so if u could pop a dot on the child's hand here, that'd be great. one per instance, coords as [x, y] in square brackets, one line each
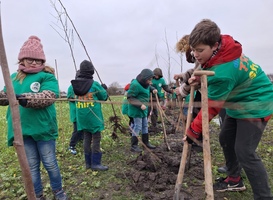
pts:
[177, 91]
[143, 107]
[194, 80]
[176, 76]
[155, 91]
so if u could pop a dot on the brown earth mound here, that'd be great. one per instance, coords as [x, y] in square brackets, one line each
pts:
[154, 172]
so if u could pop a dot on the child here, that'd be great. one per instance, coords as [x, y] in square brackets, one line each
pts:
[124, 107]
[138, 96]
[158, 82]
[240, 86]
[36, 88]
[184, 90]
[89, 114]
[76, 135]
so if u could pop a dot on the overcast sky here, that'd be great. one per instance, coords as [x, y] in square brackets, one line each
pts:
[123, 37]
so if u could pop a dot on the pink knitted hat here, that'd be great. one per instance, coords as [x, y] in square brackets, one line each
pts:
[32, 48]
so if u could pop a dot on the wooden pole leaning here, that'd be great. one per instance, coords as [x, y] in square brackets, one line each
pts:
[185, 152]
[205, 133]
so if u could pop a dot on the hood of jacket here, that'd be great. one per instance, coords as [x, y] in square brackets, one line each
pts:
[145, 75]
[229, 49]
[81, 86]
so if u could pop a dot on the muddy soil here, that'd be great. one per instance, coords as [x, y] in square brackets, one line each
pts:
[154, 172]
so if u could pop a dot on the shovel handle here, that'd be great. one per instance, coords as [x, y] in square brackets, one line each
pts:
[203, 72]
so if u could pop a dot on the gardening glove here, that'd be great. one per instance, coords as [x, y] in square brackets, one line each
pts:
[22, 102]
[193, 134]
[4, 101]
[104, 86]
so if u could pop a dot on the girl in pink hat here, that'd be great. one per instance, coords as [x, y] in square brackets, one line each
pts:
[36, 89]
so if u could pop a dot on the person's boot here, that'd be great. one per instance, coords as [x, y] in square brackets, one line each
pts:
[87, 158]
[96, 162]
[134, 145]
[222, 170]
[42, 197]
[145, 140]
[60, 195]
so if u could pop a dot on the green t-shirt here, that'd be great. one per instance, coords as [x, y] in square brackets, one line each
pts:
[40, 124]
[89, 114]
[124, 106]
[142, 94]
[243, 86]
[158, 83]
[72, 106]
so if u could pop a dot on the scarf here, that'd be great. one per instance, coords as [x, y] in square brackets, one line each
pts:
[30, 70]
[228, 50]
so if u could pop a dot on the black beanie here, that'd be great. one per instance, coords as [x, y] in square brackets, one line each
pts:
[87, 66]
[86, 69]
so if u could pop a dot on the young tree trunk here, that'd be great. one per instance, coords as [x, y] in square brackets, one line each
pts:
[16, 122]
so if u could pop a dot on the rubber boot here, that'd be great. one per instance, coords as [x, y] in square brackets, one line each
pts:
[145, 140]
[134, 145]
[87, 158]
[96, 162]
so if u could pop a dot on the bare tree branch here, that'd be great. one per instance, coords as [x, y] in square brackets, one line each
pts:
[68, 38]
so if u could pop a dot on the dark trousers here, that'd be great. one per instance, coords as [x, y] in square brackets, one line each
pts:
[131, 121]
[222, 115]
[76, 135]
[154, 114]
[91, 142]
[239, 139]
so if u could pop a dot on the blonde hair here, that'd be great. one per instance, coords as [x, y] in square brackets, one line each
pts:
[20, 76]
[49, 69]
[183, 44]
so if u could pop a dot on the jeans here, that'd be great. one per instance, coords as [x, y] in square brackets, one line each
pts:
[140, 124]
[37, 151]
[93, 139]
[239, 139]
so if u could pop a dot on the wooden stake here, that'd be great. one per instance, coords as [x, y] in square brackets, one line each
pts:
[185, 151]
[16, 122]
[205, 133]
[162, 121]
